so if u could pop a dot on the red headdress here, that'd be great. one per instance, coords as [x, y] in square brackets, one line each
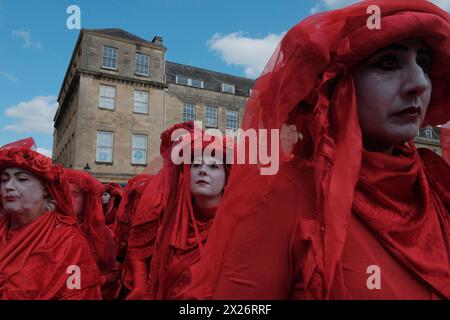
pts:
[308, 83]
[168, 195]
[99, 237]
[41, 166]
[116, 193]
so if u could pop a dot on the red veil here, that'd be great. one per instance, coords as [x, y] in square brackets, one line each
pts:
[166, 217]
[307, 83]
[99, 237]
[116, 192]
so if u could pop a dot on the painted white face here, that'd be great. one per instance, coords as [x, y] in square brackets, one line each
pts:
[393, 91]
[106, 197]
[78, 198]
[22, 192]
[207, 182]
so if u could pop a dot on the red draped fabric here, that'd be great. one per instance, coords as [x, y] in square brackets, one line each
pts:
[110, 209]
[97, 234]
[167, 232]
[286, 237]
[35, 260]
[445, 142]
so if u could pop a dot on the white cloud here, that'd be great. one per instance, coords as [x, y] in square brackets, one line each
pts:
[33, 116]
[240, 50]
[45, 152]
[8, 76]
[27, 41]
[444, 4]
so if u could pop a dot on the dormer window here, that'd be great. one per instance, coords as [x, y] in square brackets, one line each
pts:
[189, 82]
[229, 88]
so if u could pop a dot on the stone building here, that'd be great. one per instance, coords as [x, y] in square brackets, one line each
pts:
[119, 93]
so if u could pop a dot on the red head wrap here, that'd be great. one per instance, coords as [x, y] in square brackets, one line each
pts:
[312, 58]
[42, 167]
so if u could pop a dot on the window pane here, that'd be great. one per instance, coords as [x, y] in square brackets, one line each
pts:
[211, 117]
[139, 152]
[182, 80]
[142, 64]
[188, 112]
[232, 120]
[107, 97]
[109, 57]
[227, 88]
[197, 83]
[140, 101]
[104, 146]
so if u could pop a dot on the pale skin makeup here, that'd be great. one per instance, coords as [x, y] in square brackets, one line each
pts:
[23, 196]
[105, 197]
[393, 91]
[78, 198]
[207, 182]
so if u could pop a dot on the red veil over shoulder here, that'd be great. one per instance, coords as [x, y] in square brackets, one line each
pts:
[176, 230]
[99, 237]
[110, 210]
[307, 83]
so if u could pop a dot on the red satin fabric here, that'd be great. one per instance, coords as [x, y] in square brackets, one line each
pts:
[97, 234]
[34, 260]
[111, 208]
[308, 84]
[166, 232]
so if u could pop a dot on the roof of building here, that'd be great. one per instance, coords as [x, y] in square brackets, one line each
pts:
[122, 34]
[212, 80]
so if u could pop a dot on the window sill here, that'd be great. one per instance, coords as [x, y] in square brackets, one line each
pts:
[139, 164]
[142, 75]
[110, 69]
[107, 109]
[104, 162]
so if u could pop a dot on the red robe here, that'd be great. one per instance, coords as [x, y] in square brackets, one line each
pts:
[277, 252]
[34, 260]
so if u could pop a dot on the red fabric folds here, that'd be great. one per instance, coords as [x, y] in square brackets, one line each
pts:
[35, 258]
[308, 83]
[110, 209]
[97, 234]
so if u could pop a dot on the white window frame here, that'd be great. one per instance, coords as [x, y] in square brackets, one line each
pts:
[104, 97]
[185, 105]
[138, 104]
[229, 112]
[110, 56]
[189, 81]
[136, 71]
[227, 85]
[99, 146]
[208, 111]
[135, 148]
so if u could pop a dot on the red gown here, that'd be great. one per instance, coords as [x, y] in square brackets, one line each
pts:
[34, 260]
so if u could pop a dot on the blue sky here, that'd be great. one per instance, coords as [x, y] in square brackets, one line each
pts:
[233, 36]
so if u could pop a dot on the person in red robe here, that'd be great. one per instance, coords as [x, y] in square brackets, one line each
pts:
[121, 228]
[173, 218]
[355, 210]
[86, 192]
[111, 201]
[43, 253]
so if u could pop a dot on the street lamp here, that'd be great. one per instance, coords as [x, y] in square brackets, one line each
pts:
[87, 168]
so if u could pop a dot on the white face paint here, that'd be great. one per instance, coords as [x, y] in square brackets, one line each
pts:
[393, 92]
[106, 197]
[22, 192]
[207, 182]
